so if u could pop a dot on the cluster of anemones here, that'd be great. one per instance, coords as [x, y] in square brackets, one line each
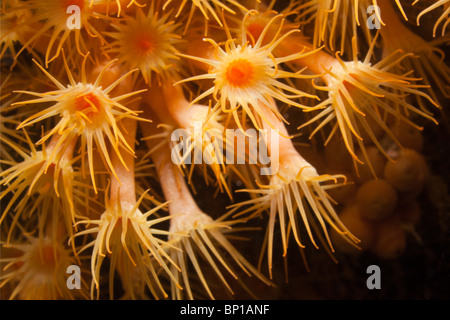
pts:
[87, 125]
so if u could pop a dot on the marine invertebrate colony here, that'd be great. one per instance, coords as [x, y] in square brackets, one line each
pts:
[112, 148]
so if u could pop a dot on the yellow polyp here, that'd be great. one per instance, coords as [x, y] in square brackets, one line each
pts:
[246, 75]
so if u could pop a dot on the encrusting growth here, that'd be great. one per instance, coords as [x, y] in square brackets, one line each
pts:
[142, 140]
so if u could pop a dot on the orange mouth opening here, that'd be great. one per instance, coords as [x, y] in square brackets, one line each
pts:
[78, 3]
[240, 73]
[89, 104]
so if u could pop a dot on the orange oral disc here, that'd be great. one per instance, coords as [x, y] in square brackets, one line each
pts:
[240, 73]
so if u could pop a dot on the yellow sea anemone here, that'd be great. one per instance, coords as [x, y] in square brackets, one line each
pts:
[86, 110]
[361, 95]
[38, 269]
[445, 16]
[34, 184]
[246, 75]
[13, 25]
[206, 6]
[128, 236]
